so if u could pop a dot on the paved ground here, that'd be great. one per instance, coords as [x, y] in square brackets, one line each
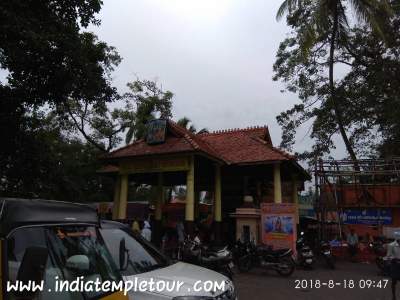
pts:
[259, 284]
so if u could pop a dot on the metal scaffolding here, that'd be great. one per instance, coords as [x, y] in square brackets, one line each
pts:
[363, 179]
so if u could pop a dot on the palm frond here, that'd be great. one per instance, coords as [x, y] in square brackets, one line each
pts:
[129, 135]
[318, 23]
[363, 9]
[321, 16]
[343, 24]
[286, 7]
[367, 12]
[183, 122]
[192, 129]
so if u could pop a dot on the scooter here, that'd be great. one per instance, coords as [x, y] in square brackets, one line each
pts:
[265, 257]
[220, 260]
[305, 256]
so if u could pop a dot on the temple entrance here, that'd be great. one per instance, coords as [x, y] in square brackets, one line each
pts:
[202, 179]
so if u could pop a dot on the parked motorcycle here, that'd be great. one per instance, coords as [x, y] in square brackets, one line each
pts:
[265, 257]
[305, 256]
[239, 249]
[219, 260]
[326, 252]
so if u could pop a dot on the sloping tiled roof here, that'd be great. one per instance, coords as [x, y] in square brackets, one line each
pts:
[249, 145]
[140, 148]
[233, 146]
[178, 140]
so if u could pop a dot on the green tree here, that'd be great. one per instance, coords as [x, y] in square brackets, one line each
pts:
[53, 164]
[47, 55]
[151, 102]
[326, 29]
[373, 85]
[49, 59]
[104, 127]
[187, 124]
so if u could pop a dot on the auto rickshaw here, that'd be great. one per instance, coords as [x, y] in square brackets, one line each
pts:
[52, 244]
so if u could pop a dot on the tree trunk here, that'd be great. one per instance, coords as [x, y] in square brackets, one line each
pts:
[336, 106]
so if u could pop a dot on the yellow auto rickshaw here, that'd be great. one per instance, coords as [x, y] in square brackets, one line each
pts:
[53, 250]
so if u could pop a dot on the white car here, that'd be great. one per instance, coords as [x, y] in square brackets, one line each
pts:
[151, 275]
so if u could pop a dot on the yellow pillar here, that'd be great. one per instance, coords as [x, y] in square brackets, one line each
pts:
[295, 198]
[217, 196]
[277, 183]
[196, 204]
[189, 208]
[123, 197]
[117, 190]
[160, 197]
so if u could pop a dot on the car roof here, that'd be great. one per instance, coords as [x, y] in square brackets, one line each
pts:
[112, 224]
[107, 224]
[16, 212]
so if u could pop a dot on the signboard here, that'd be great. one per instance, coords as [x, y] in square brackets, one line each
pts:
[279, 225]
[370, 216]
[156, 130]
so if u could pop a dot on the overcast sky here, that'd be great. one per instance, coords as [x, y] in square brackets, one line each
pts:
[216, 56]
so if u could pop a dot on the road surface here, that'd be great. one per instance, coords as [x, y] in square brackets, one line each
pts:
[347, 281]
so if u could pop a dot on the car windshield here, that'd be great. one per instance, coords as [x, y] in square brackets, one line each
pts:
[74, 251]
[139, 257]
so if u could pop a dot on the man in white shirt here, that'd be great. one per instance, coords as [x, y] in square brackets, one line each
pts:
[393, 253]
[352, 241]
[146, 231]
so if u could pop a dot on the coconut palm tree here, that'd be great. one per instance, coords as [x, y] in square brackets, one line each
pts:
[331, 18]
[185, 122]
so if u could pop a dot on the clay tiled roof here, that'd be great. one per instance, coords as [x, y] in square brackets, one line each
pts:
[233, 146]
[140, 148]
[178, 140]
[249, 145]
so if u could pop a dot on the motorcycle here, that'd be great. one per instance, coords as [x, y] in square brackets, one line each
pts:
[219, 260]
[239, 249]
[326, 252]
[305, 256]
[265, 257]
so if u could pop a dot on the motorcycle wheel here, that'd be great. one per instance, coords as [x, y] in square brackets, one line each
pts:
[286, 267]
[244, 264]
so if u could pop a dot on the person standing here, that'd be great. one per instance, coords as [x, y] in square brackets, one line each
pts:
[180, 230]
[146, 231]
[135, 226]
[352, 241]
[393, 254]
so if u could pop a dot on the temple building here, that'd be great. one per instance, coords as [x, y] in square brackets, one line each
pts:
[231, 165]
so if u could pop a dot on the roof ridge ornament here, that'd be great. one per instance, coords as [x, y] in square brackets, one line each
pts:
[235, 129]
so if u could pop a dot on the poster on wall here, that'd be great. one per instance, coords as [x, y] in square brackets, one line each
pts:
[279, 225]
